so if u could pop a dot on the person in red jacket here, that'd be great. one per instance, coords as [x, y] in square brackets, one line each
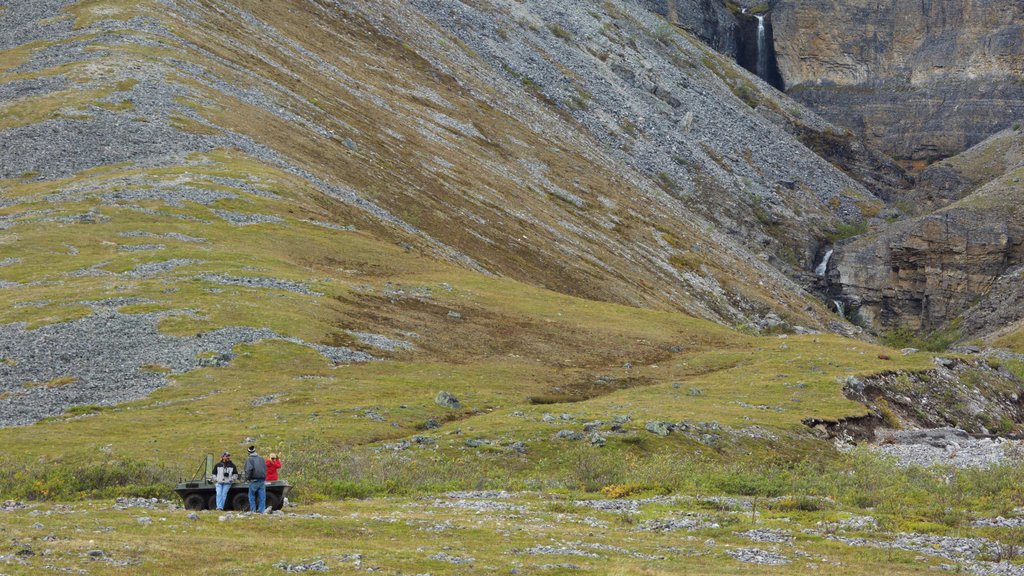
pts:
[273, 465]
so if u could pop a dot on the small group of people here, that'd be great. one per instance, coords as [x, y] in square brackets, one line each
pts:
[257, 472]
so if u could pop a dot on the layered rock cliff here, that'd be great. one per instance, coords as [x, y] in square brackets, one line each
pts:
[956, 267]
[919, 80]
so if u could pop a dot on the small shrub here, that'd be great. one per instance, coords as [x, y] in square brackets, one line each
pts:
[621, 490]
[83, 409]
[580, 100]
[626, 518]
[590, 471]
[560, 32]
[844, 230]
[887, 414]
[562, 507]
[634, 441]
[749, 482]
[664, 34]
[797, 503]
[746, 93]
[543, 399]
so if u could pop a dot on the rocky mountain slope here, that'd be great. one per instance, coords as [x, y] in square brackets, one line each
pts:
[161, 156]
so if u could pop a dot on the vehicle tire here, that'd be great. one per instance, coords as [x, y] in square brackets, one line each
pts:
[273, 501]
[211, 503]
[195, 502]
[240, 502]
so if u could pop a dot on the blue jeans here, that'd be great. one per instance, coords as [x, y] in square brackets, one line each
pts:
[257, 486]
[222, 495]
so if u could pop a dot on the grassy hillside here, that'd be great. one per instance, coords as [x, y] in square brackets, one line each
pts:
[293, 224]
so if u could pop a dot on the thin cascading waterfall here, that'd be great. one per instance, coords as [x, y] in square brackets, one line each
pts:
[840, 309]
[762, 47]
[823, 266]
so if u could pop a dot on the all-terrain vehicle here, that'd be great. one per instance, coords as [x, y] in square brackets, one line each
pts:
[201, 494]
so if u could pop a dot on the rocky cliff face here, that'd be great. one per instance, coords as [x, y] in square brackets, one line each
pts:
[919, 80]
[954, 267]
[709, 20]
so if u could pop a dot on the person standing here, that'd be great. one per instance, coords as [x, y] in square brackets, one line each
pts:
[256, 475]
[224, 475]
[273, 465]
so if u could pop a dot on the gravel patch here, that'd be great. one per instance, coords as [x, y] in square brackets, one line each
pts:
[999, 522]
[486, 494]
[445, 557]
[153, 268]
[757, 556]
[12, 506]
[689, 522]
[313, 566]
[624, 504]
[140, 247]
[478, 505]
[947, 547]
[381, 342]
[773, 536]
[331, 226]
[169, 236]
[145, 503]
[62, 147]
[261, 282]
[960, 453]
[558, 551]
[105, 354]
[244, 219]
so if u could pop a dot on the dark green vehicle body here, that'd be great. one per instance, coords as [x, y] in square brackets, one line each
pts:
[201, 494]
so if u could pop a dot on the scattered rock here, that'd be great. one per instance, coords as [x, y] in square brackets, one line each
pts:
[757, 556]
[769, 535]
[658, 427]
[568, 435]
[446, 400]
[314, 566]
[445, 557]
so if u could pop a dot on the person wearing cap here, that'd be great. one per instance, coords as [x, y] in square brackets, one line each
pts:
[224, 474]
[273, 465]
[256, 475]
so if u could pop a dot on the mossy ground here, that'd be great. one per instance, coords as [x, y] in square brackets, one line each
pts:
[399, 536]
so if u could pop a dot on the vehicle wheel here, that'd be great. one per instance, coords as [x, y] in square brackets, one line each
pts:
[211, 503]
[195, 502]
[273, 501]
[240, 502]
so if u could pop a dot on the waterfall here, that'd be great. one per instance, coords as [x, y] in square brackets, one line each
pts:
[762, 47]
[823, 266]
[839, 308]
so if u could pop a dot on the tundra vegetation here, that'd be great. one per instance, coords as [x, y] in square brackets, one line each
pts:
[607, 421]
